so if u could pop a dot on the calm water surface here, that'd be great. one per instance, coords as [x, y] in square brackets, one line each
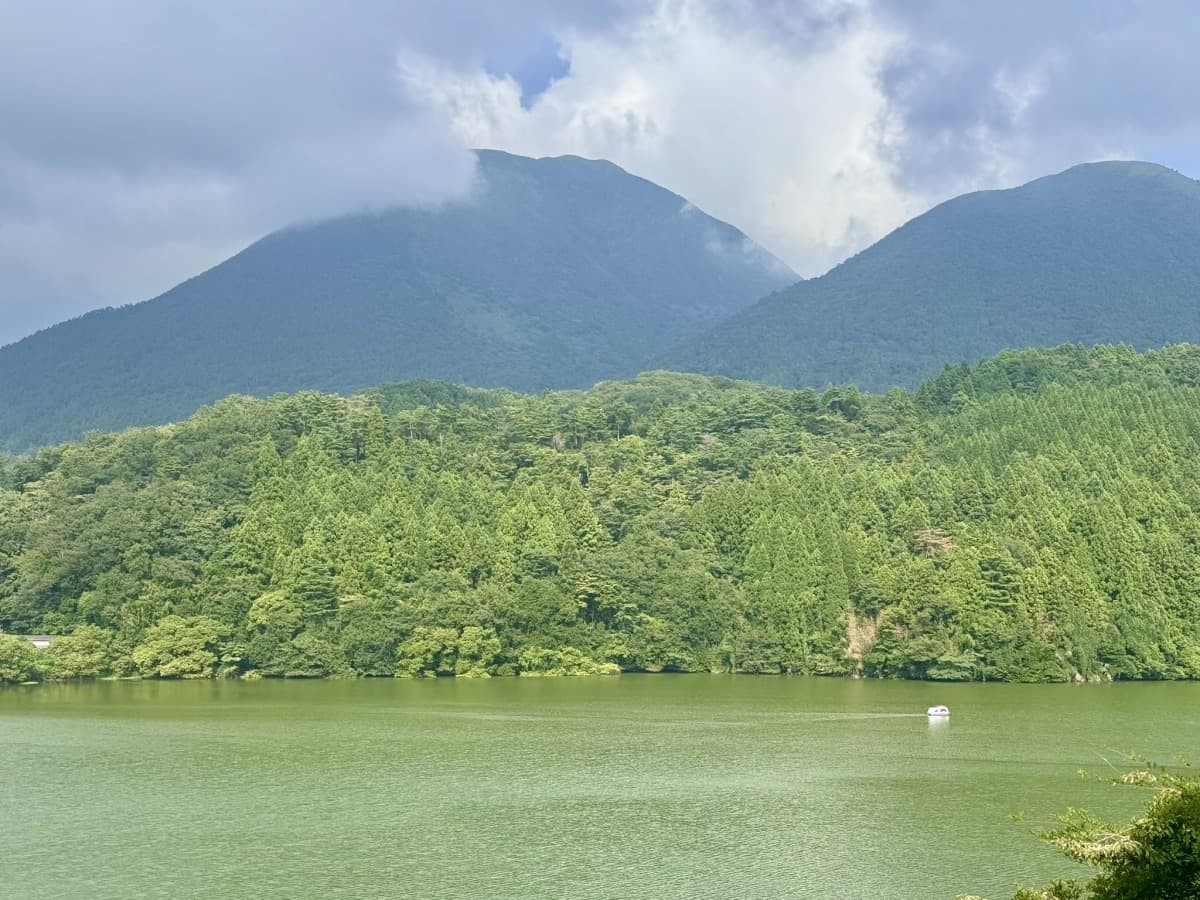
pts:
[638, 786]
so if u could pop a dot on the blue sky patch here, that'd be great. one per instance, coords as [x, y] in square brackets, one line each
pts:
[533, 66]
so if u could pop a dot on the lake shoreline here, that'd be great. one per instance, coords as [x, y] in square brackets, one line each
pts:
[510, 676]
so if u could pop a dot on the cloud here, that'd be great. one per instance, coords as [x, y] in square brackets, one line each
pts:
[144, 142]
[818, 127]
[992, 94]
[775, 130]
[73, 238]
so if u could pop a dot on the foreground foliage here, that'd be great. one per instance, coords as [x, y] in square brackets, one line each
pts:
[1154, 857]
[1034, 518]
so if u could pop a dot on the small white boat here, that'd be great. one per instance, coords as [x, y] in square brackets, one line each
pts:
[938, 712]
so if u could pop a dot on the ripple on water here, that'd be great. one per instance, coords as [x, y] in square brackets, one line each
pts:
[663, 787]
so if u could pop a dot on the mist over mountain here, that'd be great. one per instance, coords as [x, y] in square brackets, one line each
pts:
[556, 272]
[561, 272]
[1101, 253]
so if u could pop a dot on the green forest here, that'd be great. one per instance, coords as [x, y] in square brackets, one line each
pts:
[1033, 518]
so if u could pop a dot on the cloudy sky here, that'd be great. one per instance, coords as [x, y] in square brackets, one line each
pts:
[142, 141]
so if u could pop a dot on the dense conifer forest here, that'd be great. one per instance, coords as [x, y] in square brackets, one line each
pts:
[1036, 517]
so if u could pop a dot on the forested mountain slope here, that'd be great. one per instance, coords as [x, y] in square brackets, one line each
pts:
[1104, 252]
[555, 273]
[1036, 517]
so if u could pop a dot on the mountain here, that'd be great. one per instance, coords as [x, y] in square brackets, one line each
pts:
[553, 273]
[1104, 252]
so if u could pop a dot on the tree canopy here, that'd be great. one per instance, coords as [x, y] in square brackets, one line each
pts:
[1036, 517]
[1156, 856]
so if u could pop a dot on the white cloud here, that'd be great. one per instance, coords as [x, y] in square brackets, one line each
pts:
[143, 144]
[993, 95]
[77, 237]
[781, 142]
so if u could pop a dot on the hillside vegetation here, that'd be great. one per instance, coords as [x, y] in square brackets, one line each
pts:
[1101, 253]
[1036, 517]
[554, 273]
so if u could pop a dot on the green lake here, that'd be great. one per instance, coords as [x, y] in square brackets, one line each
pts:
[686, 786]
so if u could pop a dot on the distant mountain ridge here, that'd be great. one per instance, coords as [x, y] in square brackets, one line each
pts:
[561, 272]
[1101, 253]
[557, 272]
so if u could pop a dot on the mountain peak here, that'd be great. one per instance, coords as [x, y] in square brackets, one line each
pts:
[1108, 167]
[1115, 174]
[1100, 253]
[559, 273]
[496, 157]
